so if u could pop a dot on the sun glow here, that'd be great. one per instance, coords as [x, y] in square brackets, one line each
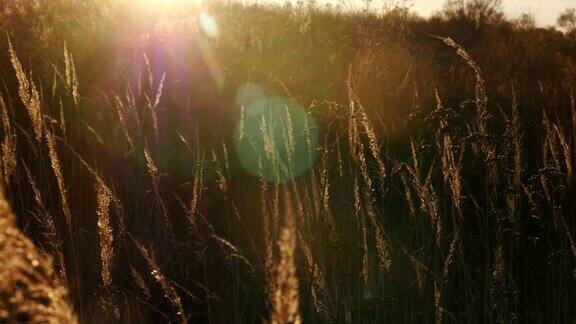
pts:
[171, 4]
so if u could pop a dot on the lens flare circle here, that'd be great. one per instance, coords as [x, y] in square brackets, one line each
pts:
[208, 24]
[276, 139]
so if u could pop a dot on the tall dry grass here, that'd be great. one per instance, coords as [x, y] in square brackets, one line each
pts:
[30, 290]
[286, 288]
[423, 203]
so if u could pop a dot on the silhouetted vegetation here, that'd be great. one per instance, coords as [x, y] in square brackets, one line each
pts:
[228, 162]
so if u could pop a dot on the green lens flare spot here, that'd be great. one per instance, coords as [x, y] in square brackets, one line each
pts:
[276, 139]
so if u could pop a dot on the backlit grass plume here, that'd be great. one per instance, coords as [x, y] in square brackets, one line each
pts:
[30, 290]
[286, 295]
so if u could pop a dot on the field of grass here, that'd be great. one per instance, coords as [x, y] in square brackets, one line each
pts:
[220, 162]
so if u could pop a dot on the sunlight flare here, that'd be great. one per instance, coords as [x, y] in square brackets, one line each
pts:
[208, 24]
[171, 5]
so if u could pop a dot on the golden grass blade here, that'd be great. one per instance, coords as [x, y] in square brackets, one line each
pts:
[71, 78]
[48, 225]
[29, 287]
[57, 168]
[286, 295]
[28, 94]
[8, 150]
[105, 232]
[169, 291]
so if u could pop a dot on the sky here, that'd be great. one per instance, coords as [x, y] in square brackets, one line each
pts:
[545, 11]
